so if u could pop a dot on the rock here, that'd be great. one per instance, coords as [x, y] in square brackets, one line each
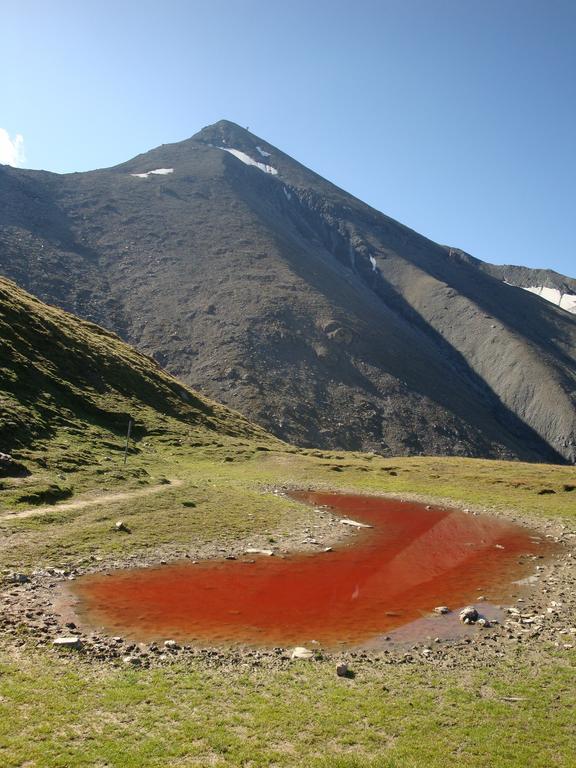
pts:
[11, 468]
[442, 609]
[256, 551]
[171, 644]
[469, 615]
[301, 653]
[354, 523]
[482, 622]
[121, 526]
[342, 670]
[19, 578]
[67, 642]
[133, 661]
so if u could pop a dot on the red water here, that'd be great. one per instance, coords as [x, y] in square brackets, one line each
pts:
[412, 559]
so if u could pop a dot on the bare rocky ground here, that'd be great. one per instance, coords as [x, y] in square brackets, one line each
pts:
[543, 618]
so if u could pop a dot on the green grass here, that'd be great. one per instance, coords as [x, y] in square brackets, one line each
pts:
[62, 712]
[62, 715]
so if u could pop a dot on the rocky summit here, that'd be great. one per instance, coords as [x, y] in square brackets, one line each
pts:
[264, 286]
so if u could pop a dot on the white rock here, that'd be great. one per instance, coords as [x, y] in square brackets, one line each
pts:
[301, 653]
[256, 551]
[354, 523]
[67, 642]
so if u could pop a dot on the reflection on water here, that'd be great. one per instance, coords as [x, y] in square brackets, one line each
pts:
[412, 559]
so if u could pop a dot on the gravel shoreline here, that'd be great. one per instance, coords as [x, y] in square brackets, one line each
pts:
[34, 612]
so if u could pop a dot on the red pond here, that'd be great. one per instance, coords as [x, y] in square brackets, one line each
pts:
[413, 559]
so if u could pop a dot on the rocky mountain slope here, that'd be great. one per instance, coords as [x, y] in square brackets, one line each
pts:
[256, 281]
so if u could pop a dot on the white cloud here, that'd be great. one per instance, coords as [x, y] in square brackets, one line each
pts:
[11, 150]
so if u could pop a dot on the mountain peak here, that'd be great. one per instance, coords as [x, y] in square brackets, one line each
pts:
[226, 133]
[249, 276]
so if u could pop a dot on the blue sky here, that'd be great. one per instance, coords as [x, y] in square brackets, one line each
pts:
[456, 117]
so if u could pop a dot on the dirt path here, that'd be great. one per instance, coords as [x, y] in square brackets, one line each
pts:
[108, 498]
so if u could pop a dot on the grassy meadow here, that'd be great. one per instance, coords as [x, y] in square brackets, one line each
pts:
[63, 712]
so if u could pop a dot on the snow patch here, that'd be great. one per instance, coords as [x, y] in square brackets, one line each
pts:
[373, 262]
[250, 161]
[565, 301]
[264, 154]
[156, 172]
[288, 195]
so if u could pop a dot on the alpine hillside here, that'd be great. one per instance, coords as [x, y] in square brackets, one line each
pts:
[264, 286]
[74, 386]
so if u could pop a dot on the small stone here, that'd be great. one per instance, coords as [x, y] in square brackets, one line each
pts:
[121, 526]
[67, 642]
[354, 523]
[301, 653]
[133, 661]
[172, 644]
[19, 578]
[469, 615]
[256, 551]
[342, 670]
[442, 609]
